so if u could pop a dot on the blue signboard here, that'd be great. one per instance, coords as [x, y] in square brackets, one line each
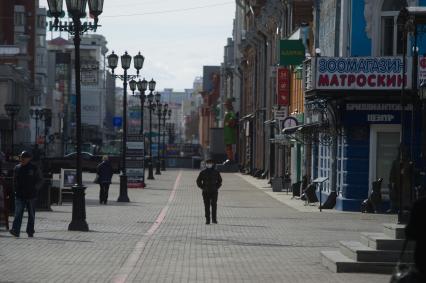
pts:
[117, 121]
[372, 113]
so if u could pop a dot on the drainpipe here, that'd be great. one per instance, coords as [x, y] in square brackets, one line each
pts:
[334, 147]
[317, 22]
[264, 106]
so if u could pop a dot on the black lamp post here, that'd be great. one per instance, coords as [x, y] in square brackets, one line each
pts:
[47, 118]
[166, 114]
[151, 86]
[12, 110]
[142, 86]
[126, 59]
[158, 105]
[77, 9]
[36, 115]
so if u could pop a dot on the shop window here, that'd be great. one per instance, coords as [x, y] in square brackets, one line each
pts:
[324, 168]
[391, 35]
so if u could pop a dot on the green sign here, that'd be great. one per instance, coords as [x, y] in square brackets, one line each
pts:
[292, 52]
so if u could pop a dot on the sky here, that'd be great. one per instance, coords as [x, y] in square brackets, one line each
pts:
[176, 37]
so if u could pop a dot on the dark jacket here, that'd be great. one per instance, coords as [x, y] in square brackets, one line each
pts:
[209, 180]
[416, 231]
[105, 172]
[27, 180]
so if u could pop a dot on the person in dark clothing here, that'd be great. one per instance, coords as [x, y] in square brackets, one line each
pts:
[209, 181]
[416, 231]
[105, 172]
[27, 180]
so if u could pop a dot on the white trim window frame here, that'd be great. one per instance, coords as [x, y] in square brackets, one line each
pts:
[396, 36]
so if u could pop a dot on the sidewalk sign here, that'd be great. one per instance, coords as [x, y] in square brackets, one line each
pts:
[135, 170]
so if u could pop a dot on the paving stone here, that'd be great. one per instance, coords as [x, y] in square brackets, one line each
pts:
[258, 239]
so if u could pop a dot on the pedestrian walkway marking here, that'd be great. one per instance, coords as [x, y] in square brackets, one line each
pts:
[133, 258]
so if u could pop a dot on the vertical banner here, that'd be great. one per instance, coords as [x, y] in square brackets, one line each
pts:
[283, 86]
[135, 161]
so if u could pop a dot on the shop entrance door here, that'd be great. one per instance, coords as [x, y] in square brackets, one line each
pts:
[384, 143]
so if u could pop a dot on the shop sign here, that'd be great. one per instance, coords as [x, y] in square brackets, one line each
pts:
[281, 114]
[373, 113]
[422, 70]
[283, 86]
[292, 52]
[362, 73]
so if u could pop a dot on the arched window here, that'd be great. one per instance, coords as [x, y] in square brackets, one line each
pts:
[391, 43]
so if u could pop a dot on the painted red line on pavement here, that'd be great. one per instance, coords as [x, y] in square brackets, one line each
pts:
[133, 258]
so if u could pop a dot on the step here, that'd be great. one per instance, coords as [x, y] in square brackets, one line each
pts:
[380, 241]
[395, 231]
[362, 253]
[337, 262]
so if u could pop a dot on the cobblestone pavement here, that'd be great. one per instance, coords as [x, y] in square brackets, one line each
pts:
[160, 236]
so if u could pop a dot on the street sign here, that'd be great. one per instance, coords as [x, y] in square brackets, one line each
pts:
[117, 121]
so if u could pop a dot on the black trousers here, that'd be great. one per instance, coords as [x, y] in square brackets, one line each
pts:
[210, 199]
[103, 192]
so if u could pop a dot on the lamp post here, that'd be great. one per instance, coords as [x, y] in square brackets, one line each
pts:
[12, 110]
[142, 87]
[126, 59]
[36, 114]
[77, 9]
[166, 114]
[151, 86]
[47, 118]
[158, 105]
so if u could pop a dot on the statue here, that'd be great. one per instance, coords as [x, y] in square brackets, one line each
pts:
[229, 130]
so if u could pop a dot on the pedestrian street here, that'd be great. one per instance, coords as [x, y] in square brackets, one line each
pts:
[161, 236]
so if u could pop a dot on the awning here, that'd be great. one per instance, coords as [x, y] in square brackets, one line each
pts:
[291, 130]
[310, 126]
[247, 117]
[269, 122]
[304, 127]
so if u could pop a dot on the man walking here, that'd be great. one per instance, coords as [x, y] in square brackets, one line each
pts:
[105, 172]
[27, 180]
[209, 181]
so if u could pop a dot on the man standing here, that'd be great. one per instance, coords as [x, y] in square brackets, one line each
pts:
[105, 172]
[209, 181]
[27, 180]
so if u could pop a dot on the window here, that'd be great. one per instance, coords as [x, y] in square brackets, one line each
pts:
[391, 43]
[19, 19]
[41, 21]
[41, 41]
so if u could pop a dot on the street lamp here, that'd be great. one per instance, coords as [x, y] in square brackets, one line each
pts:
[126, 60]
[47, 118]
[166, 114]
[36, 115]
[77, 9]
[142, 86]
[158, 105]
[12, 110]
[151, 86]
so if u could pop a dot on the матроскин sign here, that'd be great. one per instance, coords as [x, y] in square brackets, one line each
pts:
[362, 73]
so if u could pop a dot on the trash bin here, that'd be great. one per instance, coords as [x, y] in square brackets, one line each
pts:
[196, 162]
[277, 184]
[43, 198]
